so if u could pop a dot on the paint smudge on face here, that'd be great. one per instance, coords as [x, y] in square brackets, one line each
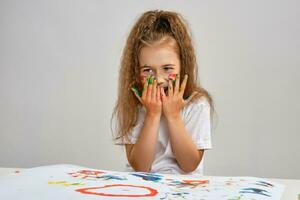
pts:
[64, 183]
[148, 176]
[172, 75]
[255, 191]
[142, 78]
[151, 192]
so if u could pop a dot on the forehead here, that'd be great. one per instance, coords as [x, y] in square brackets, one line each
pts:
[158, 55]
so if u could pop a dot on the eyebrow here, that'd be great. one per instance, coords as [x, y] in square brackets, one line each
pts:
[147, 66]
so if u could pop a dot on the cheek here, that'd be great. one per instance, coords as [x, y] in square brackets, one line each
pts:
[172, 76]
[143, 78]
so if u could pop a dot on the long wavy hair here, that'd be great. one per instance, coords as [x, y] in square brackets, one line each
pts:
[152, 27]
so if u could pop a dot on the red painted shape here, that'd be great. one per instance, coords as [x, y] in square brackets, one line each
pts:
[142, 77]
[90, 172]
[152, 192]
[198, 182]
[172, 75]
[86, 173]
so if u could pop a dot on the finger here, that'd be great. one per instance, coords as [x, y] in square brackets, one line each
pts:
[154, 89]
[163, 94]
[144, 93]
[170, 88]
[136, 93]
[150, 86]
[158, 98]
[190, 98]
[177, 81]
[183, 85]
[150, 79]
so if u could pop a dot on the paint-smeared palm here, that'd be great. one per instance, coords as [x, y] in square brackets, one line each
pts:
[173, 102]
[151, 97]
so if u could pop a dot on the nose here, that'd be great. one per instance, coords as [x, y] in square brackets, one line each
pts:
[160, 78]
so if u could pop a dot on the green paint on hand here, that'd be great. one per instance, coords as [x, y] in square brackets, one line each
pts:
[174, 81]
[137, 91]
[150, 80]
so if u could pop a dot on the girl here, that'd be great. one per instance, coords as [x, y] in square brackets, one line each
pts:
[163, 115]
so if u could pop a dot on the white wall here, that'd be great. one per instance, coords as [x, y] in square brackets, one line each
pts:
[58, 81]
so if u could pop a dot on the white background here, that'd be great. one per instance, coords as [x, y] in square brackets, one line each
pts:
[59, 65]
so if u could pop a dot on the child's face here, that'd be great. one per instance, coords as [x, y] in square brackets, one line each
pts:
[160, 61]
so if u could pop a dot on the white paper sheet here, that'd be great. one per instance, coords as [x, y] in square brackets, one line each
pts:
[77, 182]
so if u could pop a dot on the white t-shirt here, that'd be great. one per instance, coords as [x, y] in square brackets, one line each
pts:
[196, 117]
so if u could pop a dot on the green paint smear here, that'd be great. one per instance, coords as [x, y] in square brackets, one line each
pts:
[137, 91]
[150, 80]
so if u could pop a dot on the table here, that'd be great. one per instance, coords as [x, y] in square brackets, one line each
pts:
[291, 192]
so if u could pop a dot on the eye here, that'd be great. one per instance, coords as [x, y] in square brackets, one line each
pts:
[168, 68]
[147, 70]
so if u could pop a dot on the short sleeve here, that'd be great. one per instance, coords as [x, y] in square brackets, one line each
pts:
[198, 123]
[135, 132]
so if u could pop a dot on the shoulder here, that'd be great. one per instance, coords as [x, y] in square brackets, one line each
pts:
[198, 104]
[198, 108]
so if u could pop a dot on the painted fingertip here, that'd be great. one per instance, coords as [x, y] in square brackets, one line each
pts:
[137, 91]
[150, 80]
[148, 77]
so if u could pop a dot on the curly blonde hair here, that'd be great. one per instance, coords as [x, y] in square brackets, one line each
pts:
[153, 26]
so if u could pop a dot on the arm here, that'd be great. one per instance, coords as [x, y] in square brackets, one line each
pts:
[185, 151]
[141, 154]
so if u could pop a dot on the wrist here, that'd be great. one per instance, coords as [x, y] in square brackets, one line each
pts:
[173, 117]
[153, 115]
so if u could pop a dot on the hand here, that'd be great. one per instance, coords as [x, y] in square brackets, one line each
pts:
[174, 102]
[150, 98]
